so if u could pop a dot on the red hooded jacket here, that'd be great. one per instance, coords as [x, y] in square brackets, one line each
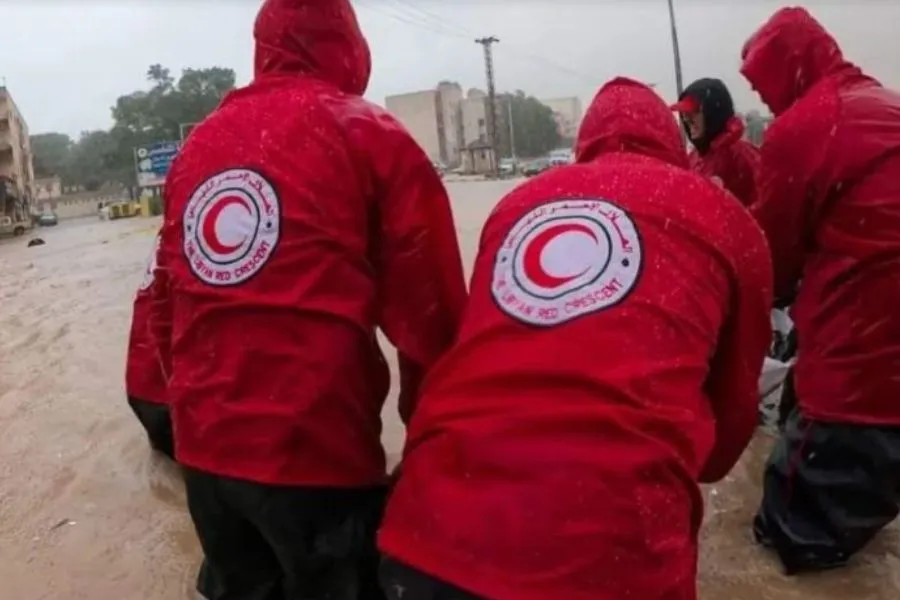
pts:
[300, 217]
[144, 378]
[607, 361]
[830, 207]
[733, 160]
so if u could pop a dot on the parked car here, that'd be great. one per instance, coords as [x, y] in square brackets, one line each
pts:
[562, 156]
[536, 167]
[47, 219]
[508, 167]
[15, 227]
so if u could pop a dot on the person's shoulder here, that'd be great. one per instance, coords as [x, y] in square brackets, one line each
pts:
[812, 116]
[745, 148]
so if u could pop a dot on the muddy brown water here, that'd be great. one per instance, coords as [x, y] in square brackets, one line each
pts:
[86, 512]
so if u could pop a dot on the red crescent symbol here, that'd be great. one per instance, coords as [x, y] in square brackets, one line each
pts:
[209, 225]
[531, 260]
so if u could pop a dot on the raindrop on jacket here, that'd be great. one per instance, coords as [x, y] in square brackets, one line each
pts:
[556, 449]
[298, 218]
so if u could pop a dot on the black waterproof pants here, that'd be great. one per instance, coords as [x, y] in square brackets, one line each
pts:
[264, 542]
[401, 582]
[157, 423]
[828, 490]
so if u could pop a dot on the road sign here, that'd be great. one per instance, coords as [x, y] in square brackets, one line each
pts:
[152, 162]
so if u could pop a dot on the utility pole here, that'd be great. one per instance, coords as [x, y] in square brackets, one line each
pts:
[487, 43]
[512, 128]
[676, 51]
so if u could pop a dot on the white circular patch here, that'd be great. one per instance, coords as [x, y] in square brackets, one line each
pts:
[565, 259]
[150, 267]
[231, 227]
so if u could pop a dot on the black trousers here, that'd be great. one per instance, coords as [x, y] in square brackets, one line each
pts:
[157, 423]
[264, 542]
[828, 490]
[402, 582]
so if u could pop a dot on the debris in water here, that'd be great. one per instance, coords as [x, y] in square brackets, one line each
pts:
[62, 523]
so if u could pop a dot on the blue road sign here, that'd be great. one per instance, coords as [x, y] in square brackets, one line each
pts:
[153, 162]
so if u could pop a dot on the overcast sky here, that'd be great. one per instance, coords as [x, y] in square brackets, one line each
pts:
[66, 61]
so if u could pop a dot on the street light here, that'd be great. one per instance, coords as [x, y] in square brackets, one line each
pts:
[679, 80]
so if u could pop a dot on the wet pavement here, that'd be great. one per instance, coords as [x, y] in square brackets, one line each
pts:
[86, 512]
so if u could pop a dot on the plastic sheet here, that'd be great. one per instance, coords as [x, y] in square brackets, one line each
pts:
[828, 490]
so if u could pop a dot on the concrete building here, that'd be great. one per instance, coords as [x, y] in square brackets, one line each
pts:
[568, 113]
[473, 117]
[16, 160]
[418, 113]
[432, 118]
[47, 189]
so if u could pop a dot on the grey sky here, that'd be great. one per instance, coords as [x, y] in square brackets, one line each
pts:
[66, 61]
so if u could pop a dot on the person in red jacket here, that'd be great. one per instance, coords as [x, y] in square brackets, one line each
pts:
[145, 385]
[717, 134]
[608, 361]
[298, 218]
[830, 206]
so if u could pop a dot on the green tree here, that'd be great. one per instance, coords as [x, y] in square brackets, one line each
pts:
[533, 125]
[52, 154]
[159, 113]
[91, 159]
[156, 114]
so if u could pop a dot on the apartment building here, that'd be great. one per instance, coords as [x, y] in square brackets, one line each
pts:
[473, 117]
[568, 113]
[446, 123]
[432, 118]
[16, 161]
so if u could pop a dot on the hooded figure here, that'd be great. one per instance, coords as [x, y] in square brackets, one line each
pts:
[830, 206]
[145, 384]
[298, 218]
[721, 153]
[607, 362]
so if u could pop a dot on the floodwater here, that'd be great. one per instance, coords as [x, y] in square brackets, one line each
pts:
[86, 512]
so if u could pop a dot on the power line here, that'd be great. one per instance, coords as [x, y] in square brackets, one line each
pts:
[404, 11]
[408, 18]
[433, 18]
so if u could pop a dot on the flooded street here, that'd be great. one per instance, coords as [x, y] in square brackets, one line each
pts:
[86, 512]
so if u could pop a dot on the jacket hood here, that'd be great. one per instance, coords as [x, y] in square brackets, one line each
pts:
[714, 101]
[320, 38]
[628, 116]
[789, 54]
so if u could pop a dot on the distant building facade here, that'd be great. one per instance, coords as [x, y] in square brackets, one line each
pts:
[432, 118]
[448, 125]
[47, 188]
[568, 113]
[16, 159]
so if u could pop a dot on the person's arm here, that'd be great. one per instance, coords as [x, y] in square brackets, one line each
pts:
[733, 382]
[422, 287]
[743, 174]
[160, 317]
[793, 153]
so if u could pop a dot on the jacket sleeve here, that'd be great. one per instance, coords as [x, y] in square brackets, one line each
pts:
[422, 288]
[160, 317]
[733, 382]
[791, 157]
[743, 173]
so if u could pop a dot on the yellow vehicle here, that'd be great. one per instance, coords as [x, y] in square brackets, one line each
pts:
[123, 210]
